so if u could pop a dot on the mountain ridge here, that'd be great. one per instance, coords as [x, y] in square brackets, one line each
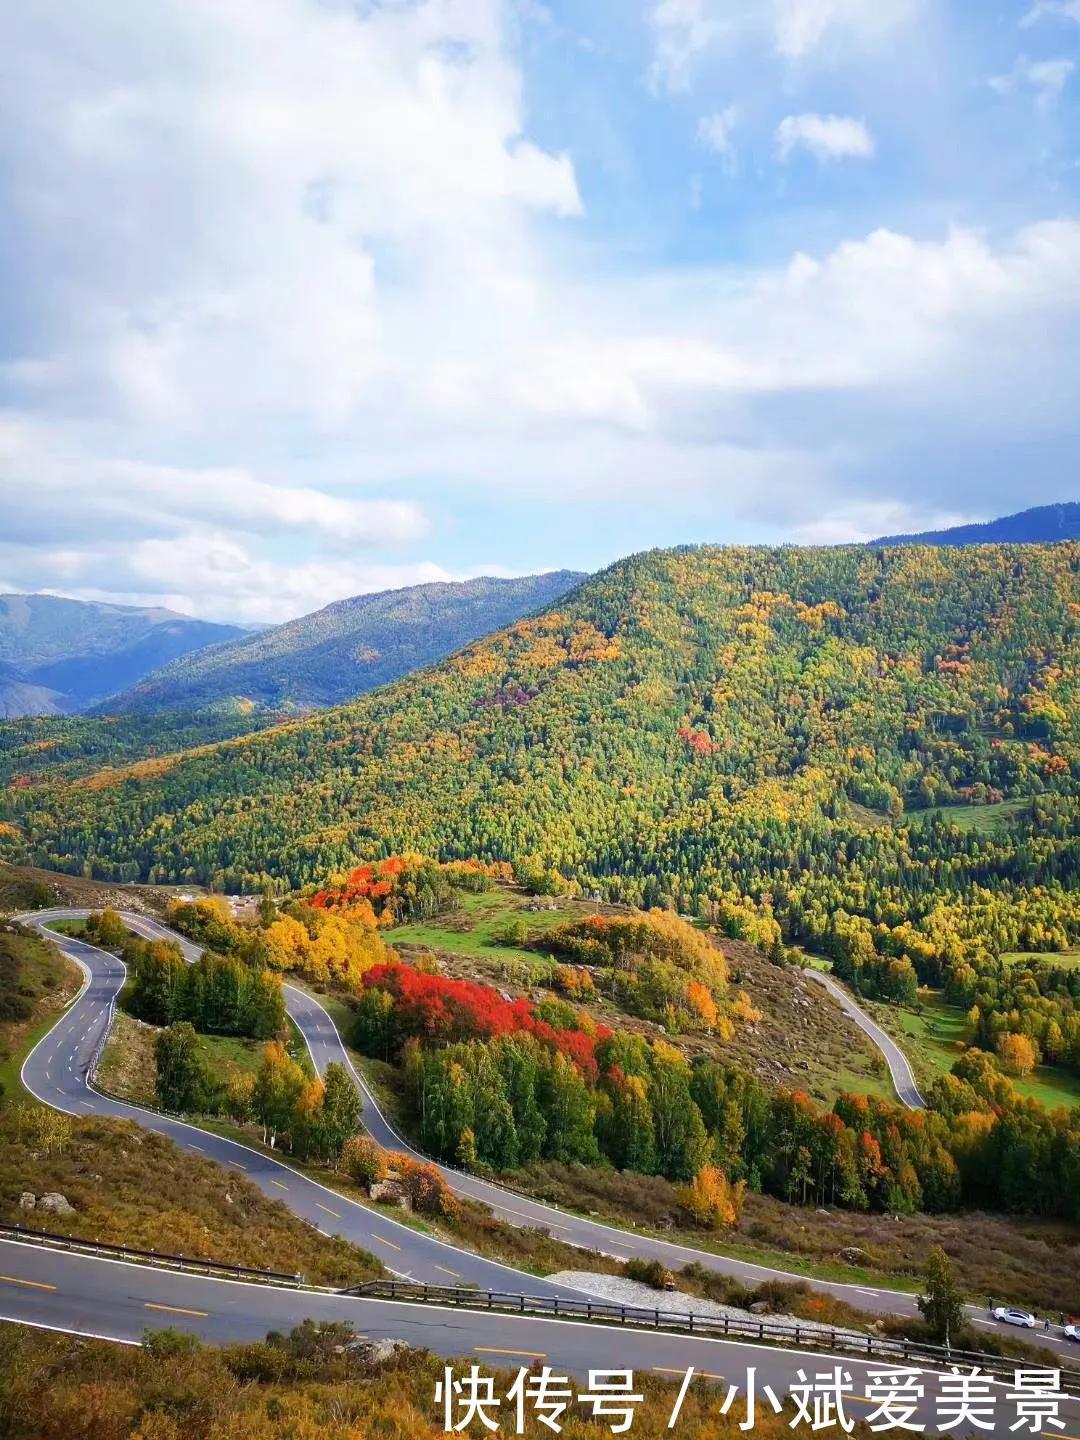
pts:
[1041, 524]
[346, 648]
[62, 655]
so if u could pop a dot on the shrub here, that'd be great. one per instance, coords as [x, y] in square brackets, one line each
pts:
[363, 1160]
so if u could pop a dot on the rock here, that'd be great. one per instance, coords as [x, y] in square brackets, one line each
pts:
[820, 1211]
[389, 1192]
[56, 1204]
[27, 1200]
[759, 1307]
[378, 1352]
[852, 1255]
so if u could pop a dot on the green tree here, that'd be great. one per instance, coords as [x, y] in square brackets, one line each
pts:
[942, 1306]
[182, 1082]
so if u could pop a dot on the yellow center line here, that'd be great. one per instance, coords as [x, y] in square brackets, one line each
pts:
[383, 1241]
[175, 1309]
[445, 1271]
[494, 1350]
[279, 1185]
[30, 1284]
[319, 1206]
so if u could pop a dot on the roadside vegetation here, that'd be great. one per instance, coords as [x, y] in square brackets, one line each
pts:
[131, 1186]
[36, 984]
[313, 1382]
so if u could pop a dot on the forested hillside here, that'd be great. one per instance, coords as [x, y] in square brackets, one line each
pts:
[59, 655]
[780, 735]
[346, 649]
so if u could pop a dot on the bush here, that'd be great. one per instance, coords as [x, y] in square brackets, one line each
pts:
[363, 1160]
[426, 1190]
[649, 1272]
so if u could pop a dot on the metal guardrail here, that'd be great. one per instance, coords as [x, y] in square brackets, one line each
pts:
[876, 1347]
[186, 1263]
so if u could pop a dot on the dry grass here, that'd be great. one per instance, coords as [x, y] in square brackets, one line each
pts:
[25, 887]
[134, 1187]
[63, 1389]
[1022, 1259]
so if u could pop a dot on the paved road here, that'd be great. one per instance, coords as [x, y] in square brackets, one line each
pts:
[56, 1071]
[116, 1301]
[903, 1077]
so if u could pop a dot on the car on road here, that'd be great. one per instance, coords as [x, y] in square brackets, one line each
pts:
[1008, 1316]
[1072, 1332]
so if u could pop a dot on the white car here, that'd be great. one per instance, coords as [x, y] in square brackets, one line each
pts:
[1072, 1332]
[1008, 1316]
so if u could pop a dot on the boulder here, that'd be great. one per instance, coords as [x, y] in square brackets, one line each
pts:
[27, 1200]
[852, 1255]
[378, 1352]
[56, 1204]
[389, 1192]
[759, 1307]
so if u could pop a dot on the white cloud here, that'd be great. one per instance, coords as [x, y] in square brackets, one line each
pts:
[802, 25]
[715, 133]
[861, 521]
[212, 576]
[1065, 9]
[1045, 78]
[202, 196]
[826, 137]
[686, 30]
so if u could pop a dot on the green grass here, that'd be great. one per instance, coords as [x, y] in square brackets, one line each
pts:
[51, 983]
[1069, 959]
[470, 929]
[973, 817]
[932, 1038]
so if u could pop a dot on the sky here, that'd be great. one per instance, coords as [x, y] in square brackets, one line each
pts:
[305, 298]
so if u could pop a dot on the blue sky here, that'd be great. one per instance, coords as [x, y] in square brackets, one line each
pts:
[300, 298]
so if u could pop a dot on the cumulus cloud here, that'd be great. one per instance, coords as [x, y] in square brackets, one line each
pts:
[202, 195]
[826, 137]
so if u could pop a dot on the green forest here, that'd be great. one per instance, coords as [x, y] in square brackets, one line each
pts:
[772, 734]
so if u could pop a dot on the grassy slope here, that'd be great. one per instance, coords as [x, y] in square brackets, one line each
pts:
[932, 1039]
[63, 1387]
[830, 1055]
[973, 817]
[50, 983]
[131, 1186]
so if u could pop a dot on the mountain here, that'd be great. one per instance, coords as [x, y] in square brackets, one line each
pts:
[789, 731]
[349, 647]
[59, 656]
[1041, 525]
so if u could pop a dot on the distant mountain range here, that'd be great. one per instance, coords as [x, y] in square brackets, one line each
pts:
[1040, 525]
[61, 656]
[344, 650]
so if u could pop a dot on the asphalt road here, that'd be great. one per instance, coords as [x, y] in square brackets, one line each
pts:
[57, 1069]
[113, 1300]
[903, 1076]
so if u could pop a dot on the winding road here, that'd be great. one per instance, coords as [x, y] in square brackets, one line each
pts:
[903, 1077]
[114, 1300]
